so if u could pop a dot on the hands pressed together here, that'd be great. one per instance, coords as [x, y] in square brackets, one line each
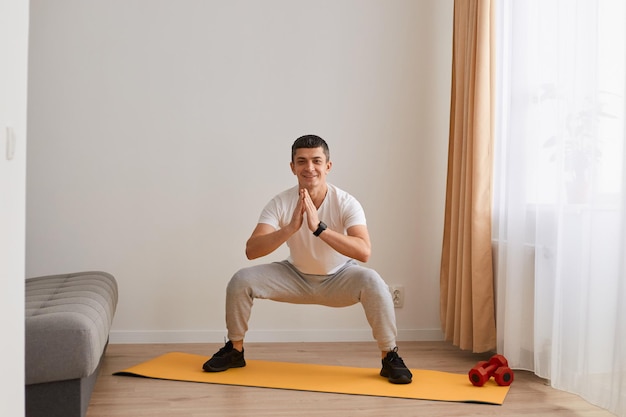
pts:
[265, 239]
[305, 206]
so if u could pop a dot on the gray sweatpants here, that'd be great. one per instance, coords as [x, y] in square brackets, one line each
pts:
[281, 281]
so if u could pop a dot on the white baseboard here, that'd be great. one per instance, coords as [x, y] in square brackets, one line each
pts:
[206, 336]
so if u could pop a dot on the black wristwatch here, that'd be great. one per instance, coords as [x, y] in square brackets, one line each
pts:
[320, 228]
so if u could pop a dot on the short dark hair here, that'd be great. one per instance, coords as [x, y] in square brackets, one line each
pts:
[310, 141]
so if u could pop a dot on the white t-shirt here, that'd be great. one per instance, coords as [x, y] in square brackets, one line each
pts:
[309, 253]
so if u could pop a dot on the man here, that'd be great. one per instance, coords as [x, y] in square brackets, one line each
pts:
[326, 232]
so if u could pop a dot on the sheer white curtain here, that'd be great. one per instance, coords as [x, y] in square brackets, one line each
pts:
[560, 196]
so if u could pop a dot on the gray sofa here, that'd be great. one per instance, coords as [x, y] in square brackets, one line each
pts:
[68, 318]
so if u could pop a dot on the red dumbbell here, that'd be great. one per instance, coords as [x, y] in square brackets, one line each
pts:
[497, 366]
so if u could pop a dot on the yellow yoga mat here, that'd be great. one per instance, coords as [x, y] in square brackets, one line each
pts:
[426, 385]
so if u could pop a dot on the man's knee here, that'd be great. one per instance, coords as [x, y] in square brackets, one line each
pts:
[372, 281]
[239, 282]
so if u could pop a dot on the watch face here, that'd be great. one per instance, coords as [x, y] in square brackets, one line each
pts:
[320, 228]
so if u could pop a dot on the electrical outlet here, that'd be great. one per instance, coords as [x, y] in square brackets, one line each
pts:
[397, 295]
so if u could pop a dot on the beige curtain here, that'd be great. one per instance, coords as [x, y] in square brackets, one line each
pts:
[467, 284]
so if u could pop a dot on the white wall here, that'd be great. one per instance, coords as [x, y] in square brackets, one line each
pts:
[13, 78]
[158, 130]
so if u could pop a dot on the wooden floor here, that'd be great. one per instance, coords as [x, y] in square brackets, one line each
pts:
[127, 396]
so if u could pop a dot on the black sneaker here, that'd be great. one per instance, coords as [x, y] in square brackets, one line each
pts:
[394, 369]
[226, 358]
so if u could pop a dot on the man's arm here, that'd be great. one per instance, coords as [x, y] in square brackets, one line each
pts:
[356, 244]
[265, 240]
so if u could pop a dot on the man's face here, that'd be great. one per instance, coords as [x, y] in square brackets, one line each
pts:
[310, 166]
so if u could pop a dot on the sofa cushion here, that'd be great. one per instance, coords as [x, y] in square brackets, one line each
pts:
[68, 318]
